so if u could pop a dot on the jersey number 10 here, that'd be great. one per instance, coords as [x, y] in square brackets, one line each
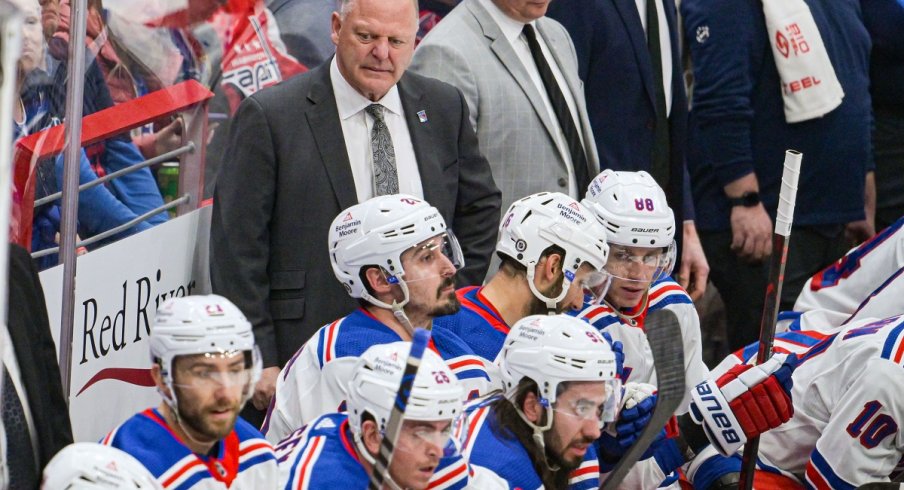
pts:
[879, 427]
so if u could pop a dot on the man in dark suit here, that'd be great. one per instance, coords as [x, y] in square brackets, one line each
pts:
[639, 119]
[302, 151]
[34, 411]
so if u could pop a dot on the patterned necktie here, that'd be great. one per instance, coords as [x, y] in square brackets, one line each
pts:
[660, 156]
[386, 178]
[20, 455]
[563, 114]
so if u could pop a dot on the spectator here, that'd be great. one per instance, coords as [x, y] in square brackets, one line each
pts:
[304, 26]
[531, 119]
[884, 20]
[312, 156]
[640, 116]
[738, 136]
[100, 208]
[431, 12]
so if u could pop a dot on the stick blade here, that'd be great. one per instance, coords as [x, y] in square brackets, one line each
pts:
[664, 335]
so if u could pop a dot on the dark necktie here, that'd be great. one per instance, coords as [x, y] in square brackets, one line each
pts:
[660, 154]
[560, 107]
[386, 177]
[20, 455]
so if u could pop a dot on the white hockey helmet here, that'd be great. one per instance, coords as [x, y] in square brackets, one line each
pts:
[534, 223]
[377, 232]
[92, 466]
[551, 350]
[436, 394]
[200, 325]
[632, 207]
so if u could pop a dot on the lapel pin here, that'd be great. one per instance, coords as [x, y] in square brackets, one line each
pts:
[422, 116]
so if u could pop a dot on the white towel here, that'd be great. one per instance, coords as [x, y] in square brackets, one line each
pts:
[810, 88]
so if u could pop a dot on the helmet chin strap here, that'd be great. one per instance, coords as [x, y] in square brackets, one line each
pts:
[551, 303]
[364, 453]
[630, 319]
[538, 433]
[397, 308]
[173, 403]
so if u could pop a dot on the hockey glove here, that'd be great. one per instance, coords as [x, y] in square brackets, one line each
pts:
[619, 350]
[744, 402]
[638, 402]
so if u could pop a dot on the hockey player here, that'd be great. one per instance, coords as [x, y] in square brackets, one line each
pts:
[560, 388]
[92, 466]
[552, 251]
[640, 229]
[868, 282]
[338, 450]
[205, 364]
[395, 254]
[848, 404]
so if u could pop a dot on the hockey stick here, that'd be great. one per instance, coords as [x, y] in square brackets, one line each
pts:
[394, 425]
[780, 239]
[881, 486]
[664, 335]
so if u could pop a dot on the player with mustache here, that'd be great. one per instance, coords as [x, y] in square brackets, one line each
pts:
[394, 254]
[205, 364]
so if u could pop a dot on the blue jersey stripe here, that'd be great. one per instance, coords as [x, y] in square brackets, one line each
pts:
[826, 470]
[891, 340]
[320, 346]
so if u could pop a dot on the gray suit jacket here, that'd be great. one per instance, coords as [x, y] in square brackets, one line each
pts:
[468, 50]
[285, 177]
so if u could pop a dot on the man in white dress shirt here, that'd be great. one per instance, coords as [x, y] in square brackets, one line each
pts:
[302, 151]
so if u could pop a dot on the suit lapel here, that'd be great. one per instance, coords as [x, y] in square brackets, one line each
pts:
[506, 54]
[323, 119]
[428, 166]
[627, 9]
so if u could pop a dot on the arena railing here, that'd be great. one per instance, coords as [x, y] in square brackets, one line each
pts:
[189, 99]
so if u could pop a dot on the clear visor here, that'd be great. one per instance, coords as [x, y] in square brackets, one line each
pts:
[430, 258]
[645, 265]
[212, 370]
[418, 438]
[603, 413]
[594, 286]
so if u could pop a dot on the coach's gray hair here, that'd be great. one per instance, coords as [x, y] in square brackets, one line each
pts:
[345, 7]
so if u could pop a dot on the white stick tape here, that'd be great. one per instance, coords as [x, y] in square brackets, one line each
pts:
[788, 194]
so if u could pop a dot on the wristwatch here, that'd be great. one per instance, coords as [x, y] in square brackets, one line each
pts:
[748, 199]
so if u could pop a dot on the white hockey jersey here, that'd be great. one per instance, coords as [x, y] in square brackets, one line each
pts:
[848, 400]
[313, 382]
[868, 282]
[245, 460]
[638, 366]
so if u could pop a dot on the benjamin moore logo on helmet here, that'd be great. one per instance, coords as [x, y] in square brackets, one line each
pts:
[348, 227]
[408, 200]
[572, 213]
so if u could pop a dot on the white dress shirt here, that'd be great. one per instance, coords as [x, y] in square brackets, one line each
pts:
[512, 30]
[356, 129]
[665, 47]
